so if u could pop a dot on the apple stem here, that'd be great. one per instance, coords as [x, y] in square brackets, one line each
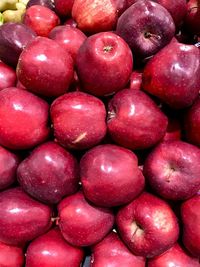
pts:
[55, 219]
[149, 35]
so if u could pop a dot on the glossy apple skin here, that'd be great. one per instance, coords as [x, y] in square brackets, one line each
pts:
[173, 170]
[135, 80]
[51, 70]
[173, 75]
[191, 224]
[69, 37]
[146, 27]
[50, 250]
[111, 252]
[8, 167]
[46, 3]
[134, 120]
[23, 119]
[192, 18]
[7, 76]
[104, 64]
[175, 256]
[78, 120]
[112, 173]
[174, 131]
[147, 225]
[21, 217]
[41, 19]
[63, 8]
[11, 256]
[81, 223]
[49, 173]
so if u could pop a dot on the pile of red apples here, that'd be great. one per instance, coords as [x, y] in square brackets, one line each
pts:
[100, 134]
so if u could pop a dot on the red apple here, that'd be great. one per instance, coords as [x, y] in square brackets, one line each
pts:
[7, 76]
[111, 252]
[191, 225]
[47, 3]
[11, 256]
[81, 223]
[49, 173]
[69, 37]
[104, 64]
[147, 225]
[134, 121]
[192, 18]
[40, 19]
[21, 217]
[112, 173]
[50, 250]
[45, 68]
[175, 256]
[146, 27]
[63, 8]
[23, 119]
[135, 80]
[8, 167]
[173, 75]
[173, 131]
[78, 120]
[173, 170]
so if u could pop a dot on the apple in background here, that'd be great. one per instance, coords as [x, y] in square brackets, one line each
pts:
[134, 120]
[173, 75]
[7, 76]
[112, 252]
[71, 22]
[49, 173]
[21, 217]
[146, 27]
[8, 167]
[191, 225]
[52, 250]
[81, 223]
[69, 37]
[11, 256]
[23, 119]
[147, 225]
[175, 256]
[192, 18]
[45, 68]
[173, 170]
[63, 8]
[104, 64]
[173, 131]
[46, 3]
[79, 120]
[41, 19]
[135, 82]
[112, 173]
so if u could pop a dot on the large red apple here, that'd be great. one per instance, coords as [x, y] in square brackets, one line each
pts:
[147, 225]
[104, 64]
[11, 256]
[7, 76]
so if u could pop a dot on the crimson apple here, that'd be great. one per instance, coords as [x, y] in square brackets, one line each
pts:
[135, 80]
[112, 173]
[134, 120]
[23, 119]
[78, 120]
[104, 64]
[45, 68]
[63, 8]
[50, 250]
[192, 18]
[81, 223]
[21, 217]
[11, 256]
[7, 76]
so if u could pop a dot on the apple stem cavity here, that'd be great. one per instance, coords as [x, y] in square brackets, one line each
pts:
[136, 229]
[107, 48]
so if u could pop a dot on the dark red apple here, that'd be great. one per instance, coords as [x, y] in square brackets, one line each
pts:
[104, 64]
[40, 19]
[50, 250]
[173, 131]
[21, 217]
[81, 223]
[8, 167]
[45, 68]
[135, 80]
[78, 120]
[111, 252]
[110, 175]
[174, 257]
[134, 121]
[69, 37]
[23, 119]
[173, 75]
[11, 256]
[192, 19]
[46, 3]
[49, 173]
[191, 224]
[146, 27]
[7, 76]
[63, 8]
[147, 225]
[173, 170]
